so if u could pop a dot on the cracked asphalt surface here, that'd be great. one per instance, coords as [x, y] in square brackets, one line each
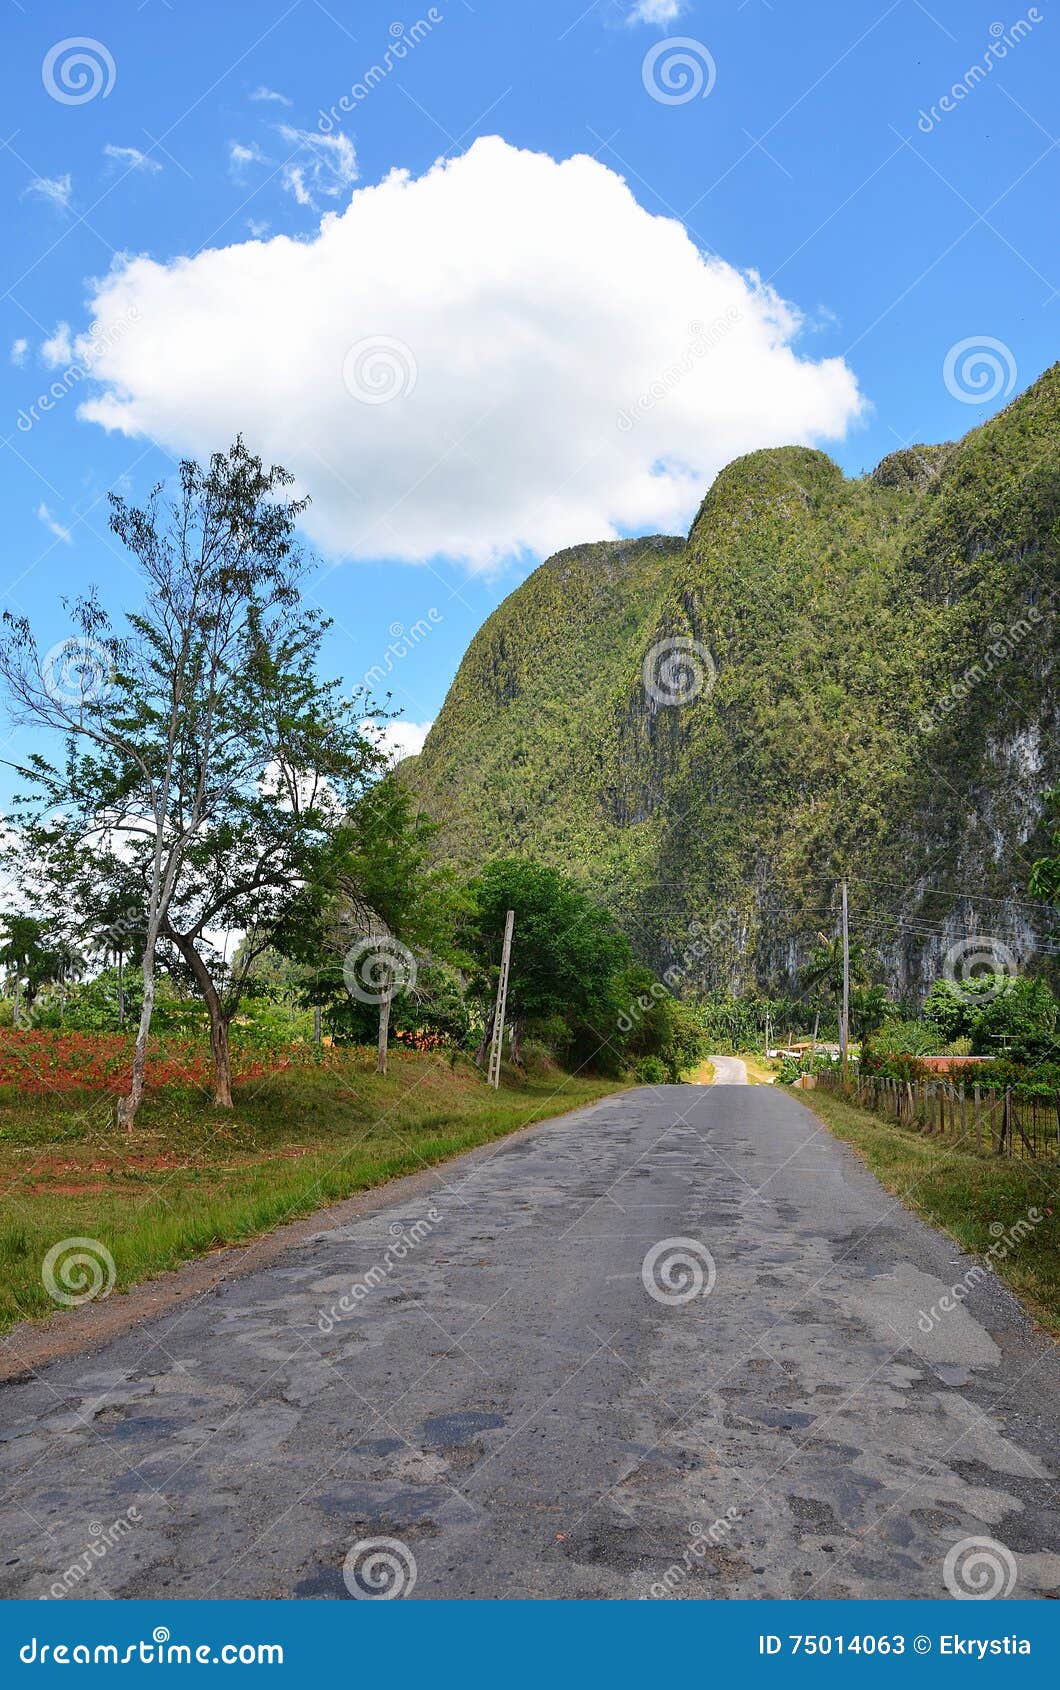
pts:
[510, 1403]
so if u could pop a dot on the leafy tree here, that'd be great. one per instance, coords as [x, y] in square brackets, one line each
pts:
[949, 1008]
[376, 900]
[870, 1008]
[202, 750]
[35, 954]
[1018, 1020]
[567, 952]
[1045, 875]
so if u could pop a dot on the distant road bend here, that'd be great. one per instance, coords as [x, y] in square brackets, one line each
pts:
[679, 1343]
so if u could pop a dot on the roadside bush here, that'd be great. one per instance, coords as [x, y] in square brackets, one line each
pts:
[651, 1071]
[1040, 1080]
[906, 1038]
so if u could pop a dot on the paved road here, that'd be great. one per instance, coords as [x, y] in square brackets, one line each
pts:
[729, 1071]
[513, 1407]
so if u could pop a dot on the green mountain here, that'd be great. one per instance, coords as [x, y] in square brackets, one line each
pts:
[828, 677]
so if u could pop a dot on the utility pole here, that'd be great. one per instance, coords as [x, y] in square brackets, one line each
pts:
[494, 1072]
[844, 1031]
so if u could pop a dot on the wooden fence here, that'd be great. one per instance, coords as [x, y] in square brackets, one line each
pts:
[971, 1116]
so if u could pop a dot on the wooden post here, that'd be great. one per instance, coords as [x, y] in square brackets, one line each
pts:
[1006, 1124]
[494, 1075]
[977, 1106]
[844, 1031]
[383, 1041]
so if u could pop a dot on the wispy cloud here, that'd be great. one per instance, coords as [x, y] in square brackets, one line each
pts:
[263, 93]
[258, 226]
[655, 11]
[131, 158]
[243, 153]
[19, 351]
[326, 164]
[55, 189]
[53, 525]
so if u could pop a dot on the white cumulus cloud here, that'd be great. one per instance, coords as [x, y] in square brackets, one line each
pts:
[399, 738]
[507, 353]
[59, 347]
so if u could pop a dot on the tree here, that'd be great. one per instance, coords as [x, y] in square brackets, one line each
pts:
[1045, 875]
[567, 952]
[870, 1008]
[202, 750]
[825, 966]
[1017, 1017]
[376, 900]
[34, 955]
[950, 1007]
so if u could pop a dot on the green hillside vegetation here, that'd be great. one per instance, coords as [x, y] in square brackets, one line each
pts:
[882, 708]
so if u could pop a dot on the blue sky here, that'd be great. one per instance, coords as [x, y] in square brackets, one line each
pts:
[807, 153]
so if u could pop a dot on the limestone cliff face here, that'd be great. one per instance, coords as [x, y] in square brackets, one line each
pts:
[828, 676]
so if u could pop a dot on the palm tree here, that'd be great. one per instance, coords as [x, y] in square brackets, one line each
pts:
[870, 1007]
[31, 954]
[825, 966]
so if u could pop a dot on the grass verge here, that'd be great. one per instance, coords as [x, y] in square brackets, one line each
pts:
[701, 1075]
[191, 1178]
[759, 1071]
[976, 1198]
